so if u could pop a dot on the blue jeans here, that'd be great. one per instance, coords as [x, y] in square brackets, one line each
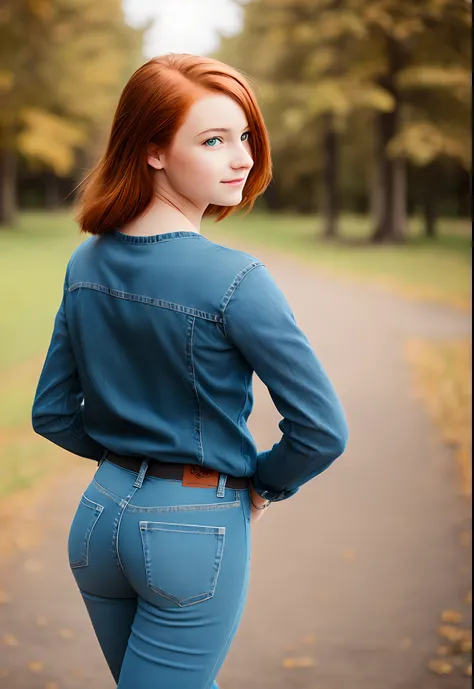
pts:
[164, 573]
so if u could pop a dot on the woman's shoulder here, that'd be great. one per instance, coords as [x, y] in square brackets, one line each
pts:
[237, 259]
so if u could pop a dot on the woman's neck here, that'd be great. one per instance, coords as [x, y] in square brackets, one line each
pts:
[161, 218]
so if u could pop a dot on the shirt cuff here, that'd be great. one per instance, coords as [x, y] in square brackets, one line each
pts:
[271, 495]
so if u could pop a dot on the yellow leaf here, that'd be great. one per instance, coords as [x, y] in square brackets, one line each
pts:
[290, 663]
[10, 640]
[465, 645]
[442, 650]
[449, 632]
[451, 616]
[77, 673]
[35, 666]
[440, 667]
[349, 555]
[66, 633]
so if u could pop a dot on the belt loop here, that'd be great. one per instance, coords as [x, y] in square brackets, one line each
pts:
[141, 474]
[221, 485]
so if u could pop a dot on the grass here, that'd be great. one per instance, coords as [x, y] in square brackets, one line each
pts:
[443, 384]
[33, 258]
[419, 269]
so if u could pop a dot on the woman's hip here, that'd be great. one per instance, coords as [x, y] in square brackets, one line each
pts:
[174, 545]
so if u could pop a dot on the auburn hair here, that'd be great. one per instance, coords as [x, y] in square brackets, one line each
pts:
[151, 108]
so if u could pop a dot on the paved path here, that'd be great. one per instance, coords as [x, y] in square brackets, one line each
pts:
[349, 577]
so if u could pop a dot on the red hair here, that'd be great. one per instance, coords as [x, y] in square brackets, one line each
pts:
[152, 107]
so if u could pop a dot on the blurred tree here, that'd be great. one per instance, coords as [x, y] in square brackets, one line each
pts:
[298, 52]
[320, 65]
[63, 63]
[421, 46]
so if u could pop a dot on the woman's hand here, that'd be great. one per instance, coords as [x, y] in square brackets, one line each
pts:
[256, 514]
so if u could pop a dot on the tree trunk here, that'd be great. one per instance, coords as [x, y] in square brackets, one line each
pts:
[430, 215]
[8, 186]
[399, 198]
[390, 224]
[330, 203]
[52, 192]
[272, 197]
[430, 195]
[377, 184]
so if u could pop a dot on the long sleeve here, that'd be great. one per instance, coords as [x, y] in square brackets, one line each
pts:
[259, 322]
[58, 410]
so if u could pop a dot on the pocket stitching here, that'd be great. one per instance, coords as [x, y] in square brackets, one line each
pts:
[218, 531]
[98, 509]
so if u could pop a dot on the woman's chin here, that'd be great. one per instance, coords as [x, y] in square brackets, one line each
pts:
[231, 199]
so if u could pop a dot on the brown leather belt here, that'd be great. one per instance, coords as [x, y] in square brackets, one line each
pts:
[190, 474]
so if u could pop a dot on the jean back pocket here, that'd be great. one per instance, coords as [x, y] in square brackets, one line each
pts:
[182, 561]
[85, 519]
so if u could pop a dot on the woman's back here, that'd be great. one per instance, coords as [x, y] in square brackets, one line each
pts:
[153, 352]
[159, 376]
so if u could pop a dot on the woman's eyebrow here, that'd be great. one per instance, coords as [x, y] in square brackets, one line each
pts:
[218, 129]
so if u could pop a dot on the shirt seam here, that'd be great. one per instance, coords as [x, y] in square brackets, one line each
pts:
[231, 290]
[150, 301]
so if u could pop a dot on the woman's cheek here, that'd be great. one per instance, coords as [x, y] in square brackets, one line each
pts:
[205, 168]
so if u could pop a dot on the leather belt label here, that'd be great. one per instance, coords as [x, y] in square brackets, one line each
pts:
[199, 477]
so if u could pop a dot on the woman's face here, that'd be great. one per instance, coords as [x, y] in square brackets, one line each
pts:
[210, 149]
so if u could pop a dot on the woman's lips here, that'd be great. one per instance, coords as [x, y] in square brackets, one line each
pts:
[235, 182]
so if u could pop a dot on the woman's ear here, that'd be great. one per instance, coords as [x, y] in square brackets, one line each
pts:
[154, 158]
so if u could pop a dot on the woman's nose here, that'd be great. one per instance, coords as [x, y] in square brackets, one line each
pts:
[243, 160]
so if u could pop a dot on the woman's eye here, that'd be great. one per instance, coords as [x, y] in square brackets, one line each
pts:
[211, 142]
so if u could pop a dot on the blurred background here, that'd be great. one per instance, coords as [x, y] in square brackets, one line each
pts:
[367, 226]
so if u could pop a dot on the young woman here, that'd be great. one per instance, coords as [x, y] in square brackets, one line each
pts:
[149, 373]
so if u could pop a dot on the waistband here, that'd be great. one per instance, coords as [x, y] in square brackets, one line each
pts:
[189, 474]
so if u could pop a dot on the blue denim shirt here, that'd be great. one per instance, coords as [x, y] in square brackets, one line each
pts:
[153, 351]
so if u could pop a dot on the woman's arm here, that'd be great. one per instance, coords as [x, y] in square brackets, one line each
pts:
[58, 410]
[260, 323]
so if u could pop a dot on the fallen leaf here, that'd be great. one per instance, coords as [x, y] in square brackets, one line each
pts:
[51, 685]
[440, 667]
[468, 598]
[451, 616]
[10, 640]
[290, 663]
[449, 632]
[4, 597]
[35, 666]
[468, 671]
[463, 645]
[66, 633]
[442, 650]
